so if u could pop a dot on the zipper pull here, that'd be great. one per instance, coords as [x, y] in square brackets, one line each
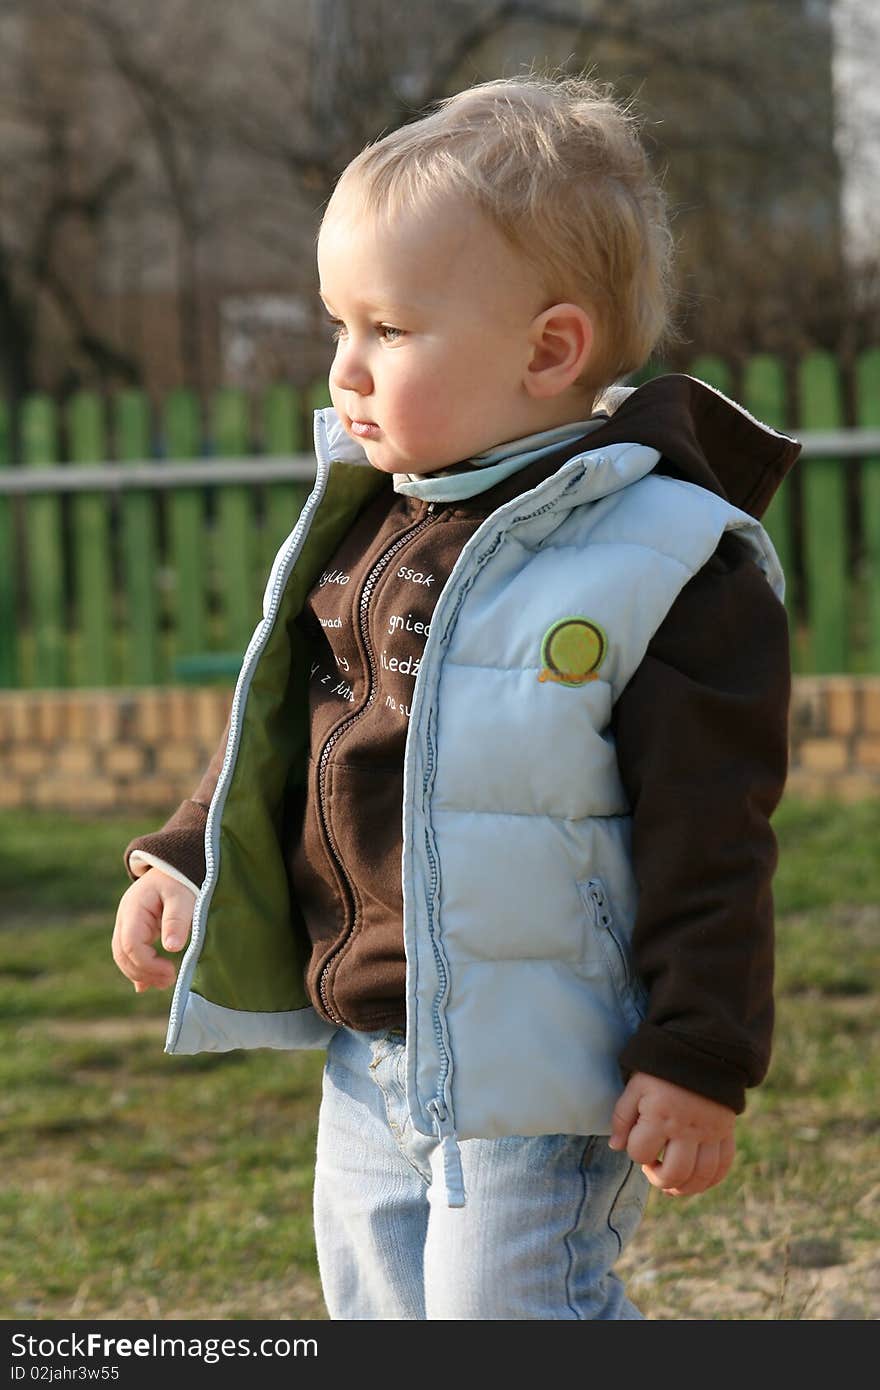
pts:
[453, 1176]
[431, 506]
[599, 903]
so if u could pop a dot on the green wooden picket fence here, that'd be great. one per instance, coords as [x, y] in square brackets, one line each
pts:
[149, 586]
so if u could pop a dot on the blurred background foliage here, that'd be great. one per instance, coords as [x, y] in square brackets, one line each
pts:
[164, 164]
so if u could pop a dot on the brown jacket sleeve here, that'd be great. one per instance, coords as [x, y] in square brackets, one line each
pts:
[702, 740]
[181, 841]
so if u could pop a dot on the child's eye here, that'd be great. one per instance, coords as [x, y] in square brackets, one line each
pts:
[389, 333]
[337, 328]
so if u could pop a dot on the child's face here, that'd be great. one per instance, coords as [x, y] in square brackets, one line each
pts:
[431, 313]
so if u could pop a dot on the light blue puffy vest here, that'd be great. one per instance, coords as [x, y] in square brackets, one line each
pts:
[519, 891]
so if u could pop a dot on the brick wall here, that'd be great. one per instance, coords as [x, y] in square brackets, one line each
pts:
[106, 750]
[142, 750]
[835, 737]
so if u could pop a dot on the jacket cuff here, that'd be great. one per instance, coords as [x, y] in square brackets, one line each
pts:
[180, 843]
[139, 861]
[677, 1058]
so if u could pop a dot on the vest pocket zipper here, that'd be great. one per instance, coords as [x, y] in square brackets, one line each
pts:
[628, 989]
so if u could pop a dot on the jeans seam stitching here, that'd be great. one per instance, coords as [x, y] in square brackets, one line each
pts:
[404, 1155]
[612, 1228]
[569, 1243]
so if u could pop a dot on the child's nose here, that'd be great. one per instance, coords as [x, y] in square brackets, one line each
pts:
[349, 372]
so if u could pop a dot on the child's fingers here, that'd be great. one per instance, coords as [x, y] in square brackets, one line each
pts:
[155, 908]
[646, 1142]
[675, 1169]
[711, 1167]
[136, 928]
[145, 965]
[626, 1113]
[119, 946]
[176, 922]
[708, 1163]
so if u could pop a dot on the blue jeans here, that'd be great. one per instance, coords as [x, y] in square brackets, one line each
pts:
[544, 1222]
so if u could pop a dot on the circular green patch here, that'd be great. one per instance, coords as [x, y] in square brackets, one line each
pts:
[572, 651]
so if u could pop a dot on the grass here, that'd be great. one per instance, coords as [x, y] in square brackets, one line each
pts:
[143, 1186]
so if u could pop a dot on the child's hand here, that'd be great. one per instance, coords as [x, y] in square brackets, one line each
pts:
[153, 907]
[683, 1141]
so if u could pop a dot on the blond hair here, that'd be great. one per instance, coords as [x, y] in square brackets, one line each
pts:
[558, 166]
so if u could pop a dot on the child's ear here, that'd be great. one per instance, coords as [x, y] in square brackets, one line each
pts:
[561, 339]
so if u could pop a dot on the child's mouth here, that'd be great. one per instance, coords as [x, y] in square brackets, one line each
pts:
[365, 428]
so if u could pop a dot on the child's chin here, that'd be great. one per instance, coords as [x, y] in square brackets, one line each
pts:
[379, 460]
[387, 462]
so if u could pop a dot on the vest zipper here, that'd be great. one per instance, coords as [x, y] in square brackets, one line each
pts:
[437, 1109]
[367, 591]
[604, 922]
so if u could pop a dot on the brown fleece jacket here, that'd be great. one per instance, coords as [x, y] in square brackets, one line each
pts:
[701, 734]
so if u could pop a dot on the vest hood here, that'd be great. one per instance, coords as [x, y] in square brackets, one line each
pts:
[703, 437]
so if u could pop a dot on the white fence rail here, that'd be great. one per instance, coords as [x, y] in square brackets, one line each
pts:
[215, 472]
